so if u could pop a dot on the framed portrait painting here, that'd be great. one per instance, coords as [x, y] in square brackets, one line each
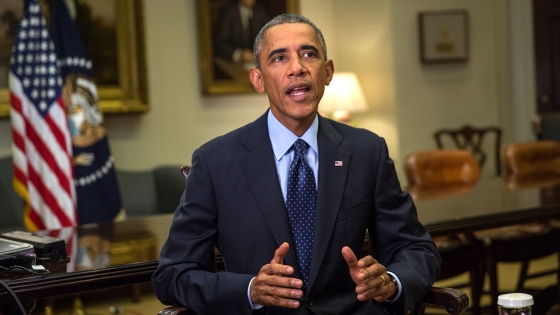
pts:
[113, 34]
[227, 29]
[444, 36]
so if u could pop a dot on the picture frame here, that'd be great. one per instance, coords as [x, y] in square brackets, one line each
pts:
[128, 92]
[220, 74]
[444, 36]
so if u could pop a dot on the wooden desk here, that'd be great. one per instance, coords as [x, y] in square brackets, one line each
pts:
[488, 204]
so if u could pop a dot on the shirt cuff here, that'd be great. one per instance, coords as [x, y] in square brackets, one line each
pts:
[254, 306]
[396, 298]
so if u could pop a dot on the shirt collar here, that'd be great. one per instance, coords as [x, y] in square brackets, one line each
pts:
[282, 138]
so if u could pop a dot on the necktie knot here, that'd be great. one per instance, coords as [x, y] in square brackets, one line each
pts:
[299, 147]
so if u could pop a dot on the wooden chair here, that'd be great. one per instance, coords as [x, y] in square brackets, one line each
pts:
[471, 138]
[525, 242]
[437, 174]
[453, 300]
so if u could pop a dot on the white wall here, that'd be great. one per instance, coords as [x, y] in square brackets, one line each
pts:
[377, 39]
[364, 43]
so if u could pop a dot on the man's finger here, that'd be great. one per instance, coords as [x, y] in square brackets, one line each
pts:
[349, 257]
[280, 253]
[367, 261]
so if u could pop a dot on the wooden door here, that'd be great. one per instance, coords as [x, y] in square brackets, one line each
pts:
[547, 53]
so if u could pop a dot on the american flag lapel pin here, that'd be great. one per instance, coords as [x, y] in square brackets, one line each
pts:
[338, 163]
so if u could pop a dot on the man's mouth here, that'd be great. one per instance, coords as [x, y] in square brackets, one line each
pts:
[299, 89]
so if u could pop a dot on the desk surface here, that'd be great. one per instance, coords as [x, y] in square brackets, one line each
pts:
[492, 202]
[123, 253]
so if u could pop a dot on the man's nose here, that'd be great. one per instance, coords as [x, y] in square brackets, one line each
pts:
[297, 67]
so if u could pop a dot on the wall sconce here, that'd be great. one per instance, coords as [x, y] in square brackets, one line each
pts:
[342, 97]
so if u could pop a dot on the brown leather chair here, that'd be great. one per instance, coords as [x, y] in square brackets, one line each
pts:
[472, 139]
[528, 158]
[524, 242]
[437, 174]
[441, 167]
[453, 300]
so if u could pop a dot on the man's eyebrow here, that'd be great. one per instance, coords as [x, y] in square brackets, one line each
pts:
[283, 50]
[277, 51]
[310, 47]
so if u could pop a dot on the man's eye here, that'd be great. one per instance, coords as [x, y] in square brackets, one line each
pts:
[309, 54]
[279, 58]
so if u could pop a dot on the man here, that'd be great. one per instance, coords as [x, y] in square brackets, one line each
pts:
[247, 190]
[238, 25]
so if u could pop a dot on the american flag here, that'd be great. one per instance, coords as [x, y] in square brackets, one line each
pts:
[42, 151]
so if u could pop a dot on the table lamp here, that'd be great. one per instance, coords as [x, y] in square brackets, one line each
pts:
[342, 97]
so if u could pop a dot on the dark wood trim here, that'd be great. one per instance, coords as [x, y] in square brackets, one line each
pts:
[482, 222]
[80, 281]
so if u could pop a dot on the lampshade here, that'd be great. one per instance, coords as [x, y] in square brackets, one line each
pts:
[343, 94]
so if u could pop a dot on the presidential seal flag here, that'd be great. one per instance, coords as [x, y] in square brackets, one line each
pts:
[41, 141]
[98, 196]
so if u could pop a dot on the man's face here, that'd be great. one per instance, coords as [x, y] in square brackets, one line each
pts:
[293, 73]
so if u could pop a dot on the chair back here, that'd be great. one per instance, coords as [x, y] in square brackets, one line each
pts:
[438, 167]
[170, 185]
[149, 192]
[138, 192]
[532, 158]
[472, 139]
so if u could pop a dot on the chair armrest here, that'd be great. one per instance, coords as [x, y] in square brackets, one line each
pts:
[454, 300]
[174, 310]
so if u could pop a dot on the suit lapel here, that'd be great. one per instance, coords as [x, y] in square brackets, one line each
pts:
[332, 178]
[260, 171]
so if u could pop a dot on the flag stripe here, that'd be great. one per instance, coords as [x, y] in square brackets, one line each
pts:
[34, 217]
[42, 148]
[49, 202]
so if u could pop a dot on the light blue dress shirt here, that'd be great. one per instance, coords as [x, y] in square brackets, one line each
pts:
[282, 140]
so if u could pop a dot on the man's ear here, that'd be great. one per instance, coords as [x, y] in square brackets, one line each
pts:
[255, 76]
[329, 67]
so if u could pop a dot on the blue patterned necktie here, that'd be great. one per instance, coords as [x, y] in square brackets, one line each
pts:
[300, 202]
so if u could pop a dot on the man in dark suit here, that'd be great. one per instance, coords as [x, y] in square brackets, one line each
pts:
[287, 200]
[238, 25]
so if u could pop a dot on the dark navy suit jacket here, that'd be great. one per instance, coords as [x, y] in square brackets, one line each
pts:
[233, 201]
